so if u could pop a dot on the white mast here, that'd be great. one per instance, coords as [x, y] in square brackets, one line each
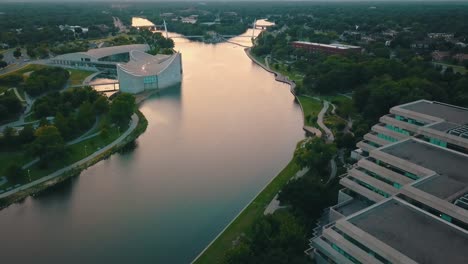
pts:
[165, 28]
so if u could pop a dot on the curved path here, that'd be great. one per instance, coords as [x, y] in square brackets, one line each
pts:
[133, 125]
[328, 132]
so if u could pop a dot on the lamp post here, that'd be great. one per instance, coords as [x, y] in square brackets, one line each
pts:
[29, 175]
[85, 150]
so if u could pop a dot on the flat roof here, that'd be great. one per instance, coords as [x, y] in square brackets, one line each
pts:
[336, 45]
[444, 162]
[444, 126]
[449, 113]
[440, 186]
[413, 233]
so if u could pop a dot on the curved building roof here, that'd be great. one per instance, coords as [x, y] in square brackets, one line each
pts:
[144, 64]
[108, 51]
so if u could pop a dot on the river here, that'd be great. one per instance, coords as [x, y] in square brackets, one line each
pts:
[211, 145]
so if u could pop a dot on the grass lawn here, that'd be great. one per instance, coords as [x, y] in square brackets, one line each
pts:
[76, 152]
[243, 223]
[25, 69]
[77, 76]
[8, 158]
[294, 75]
[311, 108]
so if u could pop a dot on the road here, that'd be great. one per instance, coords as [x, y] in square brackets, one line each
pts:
[133, 125]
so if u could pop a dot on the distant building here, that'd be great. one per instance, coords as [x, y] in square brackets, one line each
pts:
[326, 48]
[440, 35]
[420, 45]
[440, 55]
[136, 70]
[461, 57]
[406, 200]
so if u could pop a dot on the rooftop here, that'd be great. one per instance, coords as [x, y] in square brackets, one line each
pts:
[335, 46]
[417, 235]
[104, 52]
[444, 126]
[441, 186]
[444, 162]
[144, 64]
[451, 114]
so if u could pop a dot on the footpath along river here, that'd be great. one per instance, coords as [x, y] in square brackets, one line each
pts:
[211, 145]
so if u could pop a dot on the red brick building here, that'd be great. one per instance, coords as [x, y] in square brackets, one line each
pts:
[326, 48]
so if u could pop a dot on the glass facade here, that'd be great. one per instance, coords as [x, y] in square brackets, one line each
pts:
[398, 130]
[150, 79]
[438, 142]
[370, 187]
[387, 138]
[409, 120]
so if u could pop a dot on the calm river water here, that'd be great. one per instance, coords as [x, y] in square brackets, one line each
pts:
[210, 147]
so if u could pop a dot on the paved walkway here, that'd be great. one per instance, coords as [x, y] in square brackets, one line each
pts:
[275, 203]
[133, 125]
[329, 135]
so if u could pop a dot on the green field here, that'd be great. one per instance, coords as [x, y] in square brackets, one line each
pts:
[311, 108]
[76, 152]
[243, 223]
[25, 69]
[78, 76]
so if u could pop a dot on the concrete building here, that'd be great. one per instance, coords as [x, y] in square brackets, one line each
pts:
[326, 48]
[135, 69]
[146, 72]
[438, 123]
[406, 201]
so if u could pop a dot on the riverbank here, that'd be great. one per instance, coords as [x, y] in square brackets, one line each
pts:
[136, 128]
[242, 223]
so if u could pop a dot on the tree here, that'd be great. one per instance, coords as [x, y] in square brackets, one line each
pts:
[14, 173]
[101, 105]
[85, 115]
[122, 108]
[48, 145]
[26, 135]
[62, 124]
[3, 64]
[17, 53]
[314, 153]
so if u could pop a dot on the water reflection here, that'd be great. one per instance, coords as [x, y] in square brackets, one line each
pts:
[211, 144]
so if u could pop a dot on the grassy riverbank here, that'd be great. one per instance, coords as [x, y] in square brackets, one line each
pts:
[77, 152]
[242, 224]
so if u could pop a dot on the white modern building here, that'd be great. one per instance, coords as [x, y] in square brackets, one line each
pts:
[147, 72]
[135, 69]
